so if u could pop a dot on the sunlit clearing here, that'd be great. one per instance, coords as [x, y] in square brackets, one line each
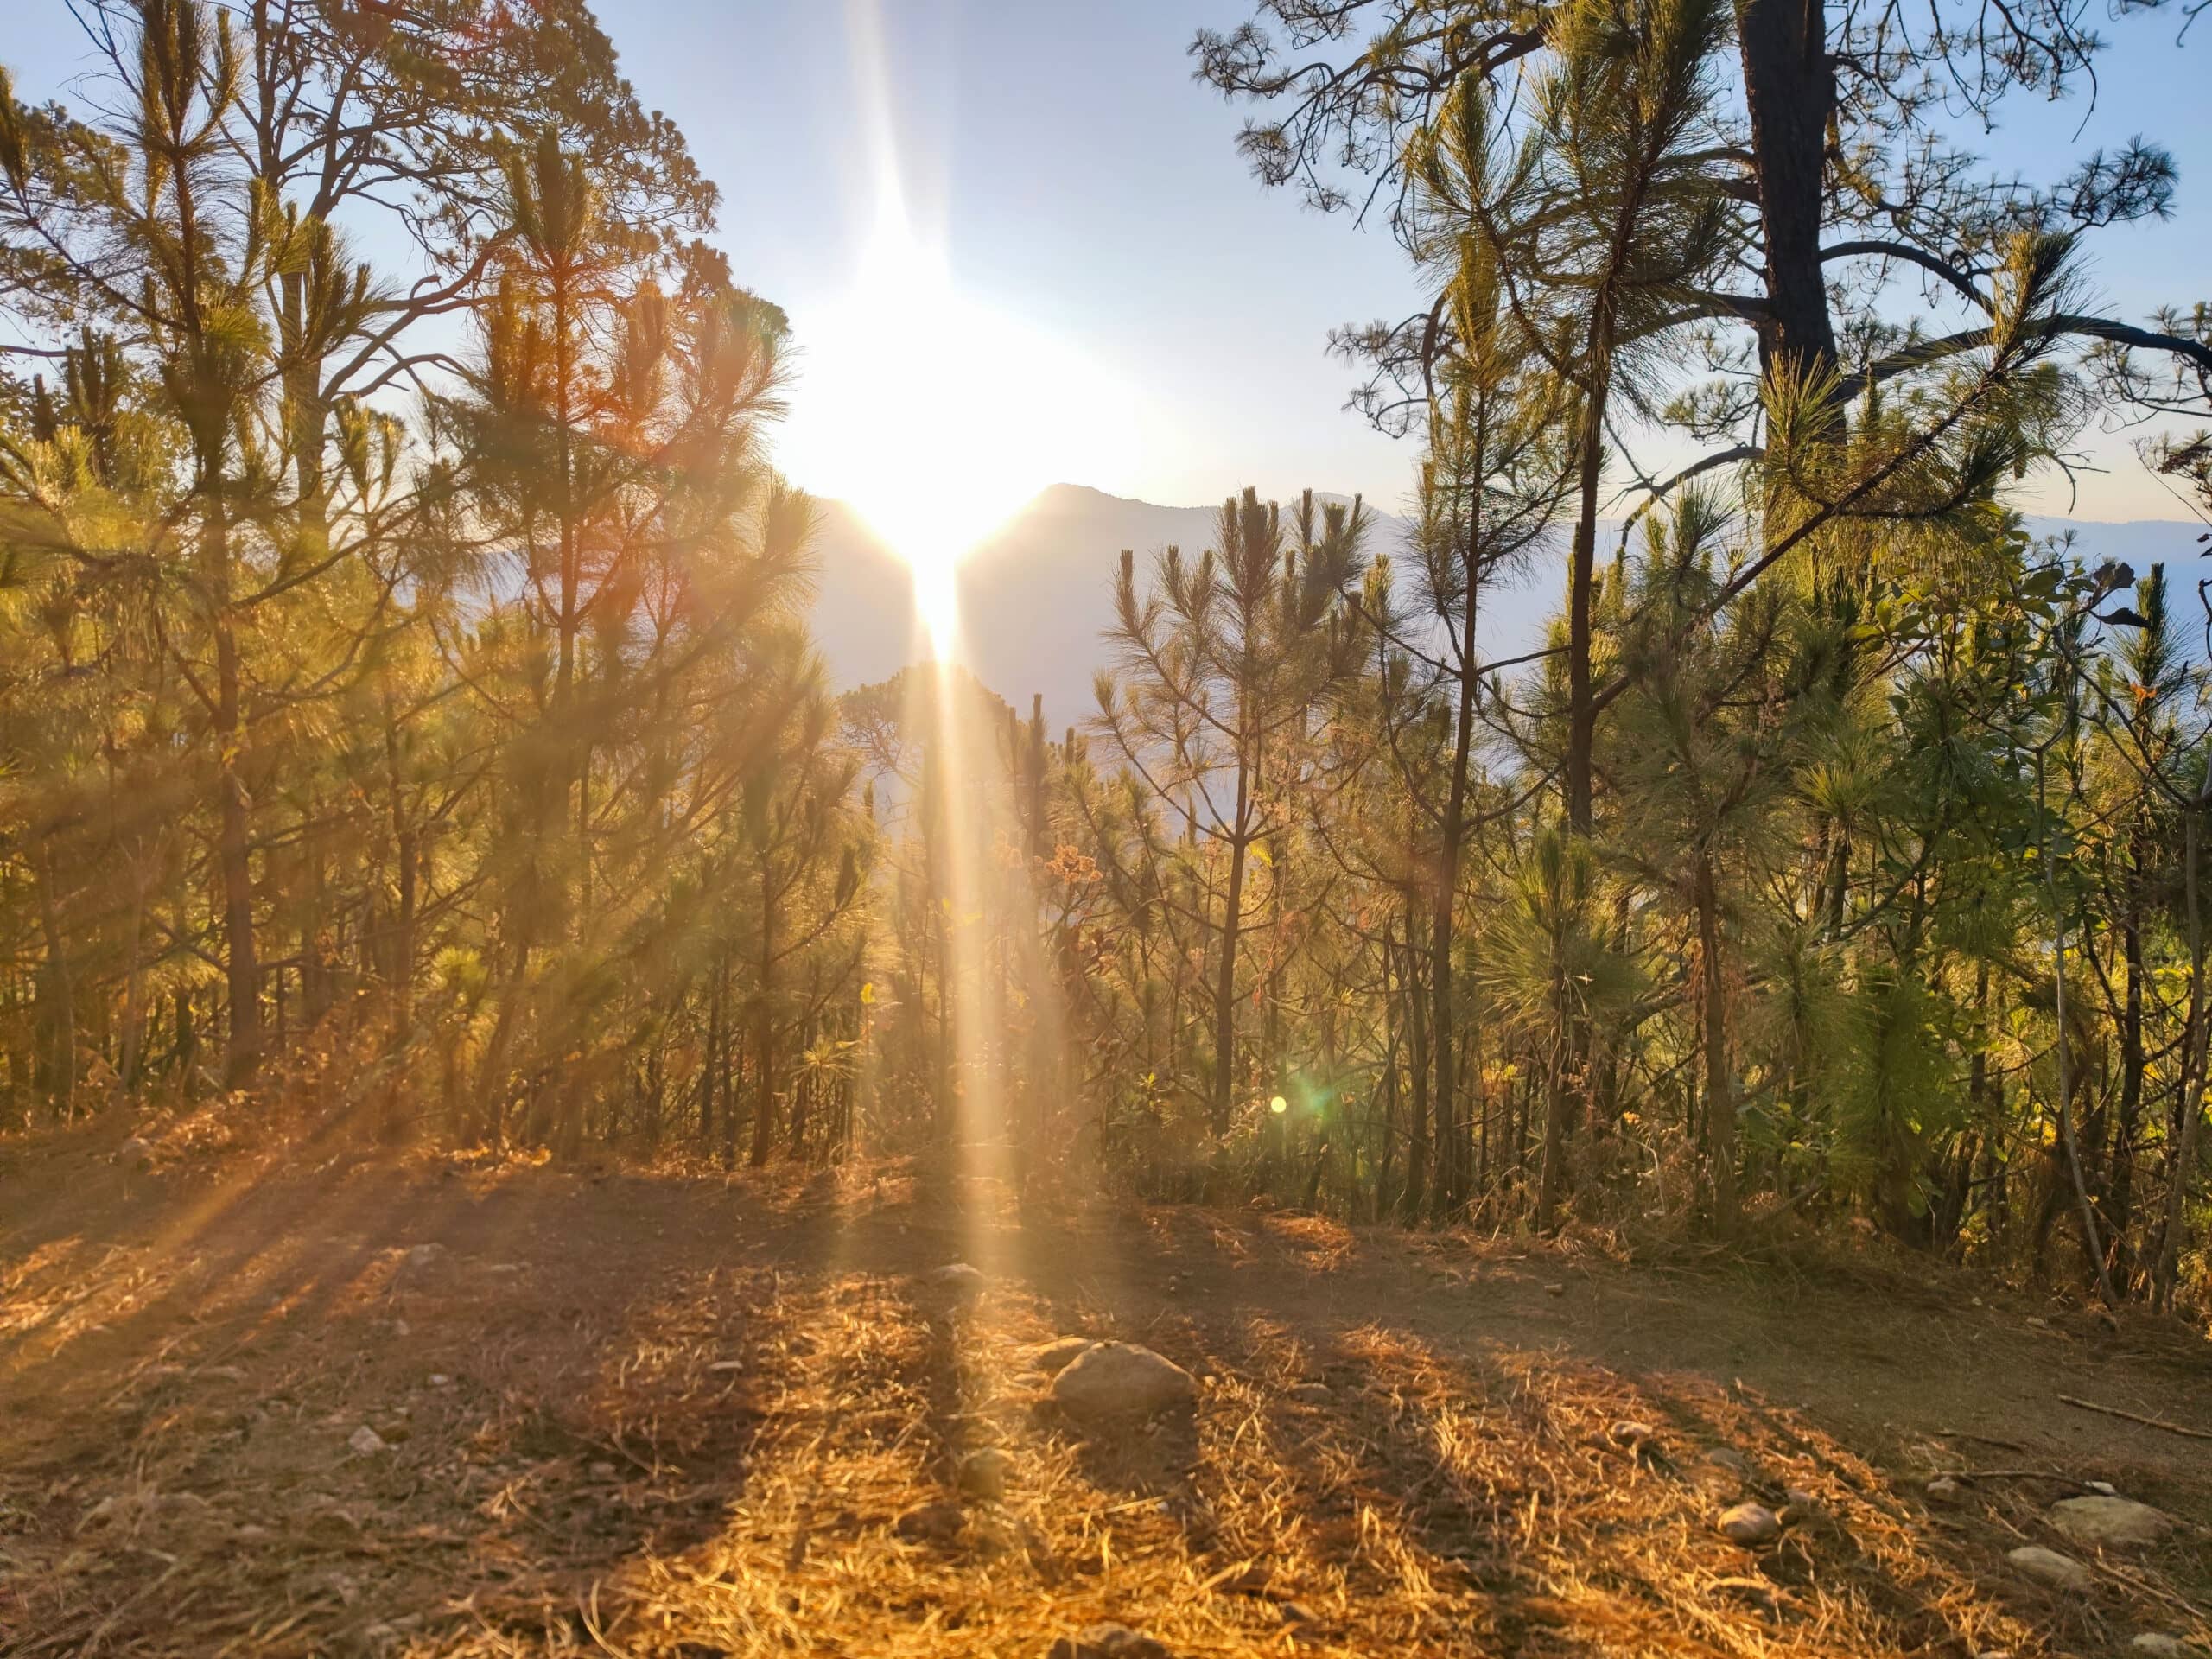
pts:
[937, 418]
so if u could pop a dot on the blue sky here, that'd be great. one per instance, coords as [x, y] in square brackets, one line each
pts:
[1166, 317]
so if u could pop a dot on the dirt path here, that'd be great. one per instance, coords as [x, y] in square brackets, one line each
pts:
[657, 1416]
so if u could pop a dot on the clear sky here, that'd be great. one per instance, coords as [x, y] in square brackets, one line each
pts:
[1131, 309]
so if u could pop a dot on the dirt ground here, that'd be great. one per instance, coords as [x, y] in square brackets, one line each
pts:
[665, 1416]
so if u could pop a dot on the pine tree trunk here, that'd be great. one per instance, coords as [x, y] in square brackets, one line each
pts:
[1720, 1080]
[56, 1012]
[1789, 88]
[763, 1044]
[242, 968]
[1224, 1001]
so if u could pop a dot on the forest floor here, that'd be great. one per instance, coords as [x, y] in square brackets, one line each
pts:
[650, 1415]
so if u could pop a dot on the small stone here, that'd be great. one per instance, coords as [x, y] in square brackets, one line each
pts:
[1121, 1380]
[440, 1380]
[984, 1473]
[1056, 1357]
[1749, 1525]
[2037, 1323]
[932, 1523]
[364, 1442]
[2102, 1488]
[1312, 1393]
[957, 1277]
[250, 1533]
[2157, 1644]
[1942, 1490]
[2049, 1566]
[1107, 1641]
[1728, 1457]
[2104, 1522]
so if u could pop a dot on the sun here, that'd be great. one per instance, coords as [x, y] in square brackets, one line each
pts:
[936, 417]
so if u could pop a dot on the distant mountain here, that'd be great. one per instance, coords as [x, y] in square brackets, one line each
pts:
[1034, 595]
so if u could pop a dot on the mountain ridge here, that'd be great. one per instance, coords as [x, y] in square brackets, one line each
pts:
[1034, 593]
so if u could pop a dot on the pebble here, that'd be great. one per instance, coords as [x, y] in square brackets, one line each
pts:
[1943, 1490]
[1728, 1457]
[2157, 1644]
[1313, 1393]
[1749, 1525]
[364, 1442]
[984, 1472]
[2049, 1566]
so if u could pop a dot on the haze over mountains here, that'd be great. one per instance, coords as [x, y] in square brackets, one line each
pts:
[1034, 595]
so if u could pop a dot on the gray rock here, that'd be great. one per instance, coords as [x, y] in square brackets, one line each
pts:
[1943, 1490]
[2157, 1644]
[2109, 1522]
[2048, 1567]
[1108, 1641]
[365, 1442]
[957, 1277]
[1112, 1380]
[1749, 1525]
[1728, 1457]
[984, 1473]
[1056, 1357]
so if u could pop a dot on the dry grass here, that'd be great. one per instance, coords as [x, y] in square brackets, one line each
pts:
[676, 1420]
